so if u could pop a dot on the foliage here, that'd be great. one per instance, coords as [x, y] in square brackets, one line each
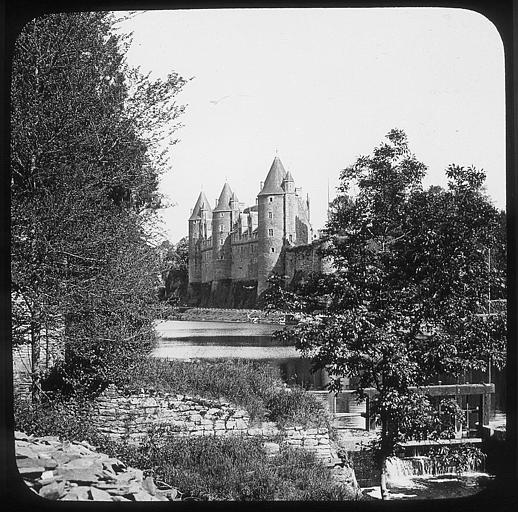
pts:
[277, 297]
[85, 165]
[456, 459]
[296, 406]
[174, 264]
[232, 468]
[408, 300]
[65, 418]
[254, 385]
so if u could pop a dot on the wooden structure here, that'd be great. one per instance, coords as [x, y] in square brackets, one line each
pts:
[458, 391]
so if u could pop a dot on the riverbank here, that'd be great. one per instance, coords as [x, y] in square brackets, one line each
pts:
[226, 315]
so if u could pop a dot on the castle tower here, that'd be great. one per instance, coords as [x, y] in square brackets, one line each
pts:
[222, 219]
[197, 232]
[271, 224]
[290, 209]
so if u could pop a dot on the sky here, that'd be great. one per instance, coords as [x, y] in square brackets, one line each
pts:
[319, 88]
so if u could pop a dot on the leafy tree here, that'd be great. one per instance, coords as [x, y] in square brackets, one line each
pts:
[86, 132]
[175, 270]
[406, 303]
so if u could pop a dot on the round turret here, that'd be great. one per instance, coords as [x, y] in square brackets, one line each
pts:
[271, 227]
[221, 228]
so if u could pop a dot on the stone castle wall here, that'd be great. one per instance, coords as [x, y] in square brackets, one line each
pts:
[132, 417]
[306, 259]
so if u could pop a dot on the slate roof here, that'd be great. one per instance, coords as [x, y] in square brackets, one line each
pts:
[224, 199]
[200, 203]
[274, 179]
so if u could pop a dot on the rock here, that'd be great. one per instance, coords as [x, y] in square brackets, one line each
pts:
[149, 485]
[78, 475]
[47, 474]
[142, 496]
[52, 491]
[99, 494]
[79, 493]
[25, 452]
[35, 471]
[271, 449]
[21, 436]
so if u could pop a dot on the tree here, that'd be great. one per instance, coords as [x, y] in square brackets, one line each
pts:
[85, 165]
[406, 301]
[175, 270]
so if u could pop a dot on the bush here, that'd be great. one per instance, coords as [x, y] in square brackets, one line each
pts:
[297, 407]
[233, 468]
[67, 419]
[254, 385]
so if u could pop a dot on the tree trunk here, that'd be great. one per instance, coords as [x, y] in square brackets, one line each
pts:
[385, 452]
[383, 479]
[35, 360]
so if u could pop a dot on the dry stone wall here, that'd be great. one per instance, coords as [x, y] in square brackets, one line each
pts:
[132, 417]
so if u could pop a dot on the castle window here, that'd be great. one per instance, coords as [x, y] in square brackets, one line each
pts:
[270, 232]
[221, 241]
[221, 228]
[273, 249]
[291, 238]
[270, 215]
[270, 199]
[221, 214]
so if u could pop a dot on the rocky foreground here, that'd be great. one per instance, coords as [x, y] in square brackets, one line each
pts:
[75, 471]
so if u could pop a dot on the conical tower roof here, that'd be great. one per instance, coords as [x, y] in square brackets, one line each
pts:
[273, 182]
[224, 199]
[288, 177]
[201, 204]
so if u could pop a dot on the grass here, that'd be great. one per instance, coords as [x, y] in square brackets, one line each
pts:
[254, 385]
[233, 468]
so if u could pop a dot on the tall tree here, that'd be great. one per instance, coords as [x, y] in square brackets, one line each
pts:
[407, 301]
[85, 164]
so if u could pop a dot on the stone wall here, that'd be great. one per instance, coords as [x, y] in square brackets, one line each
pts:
[131, 417]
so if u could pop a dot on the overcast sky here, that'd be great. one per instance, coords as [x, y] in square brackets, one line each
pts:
[321, 87]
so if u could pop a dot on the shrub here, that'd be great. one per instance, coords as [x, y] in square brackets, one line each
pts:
[297, 407]
[254, 385]
[233, 468]
[67, 419]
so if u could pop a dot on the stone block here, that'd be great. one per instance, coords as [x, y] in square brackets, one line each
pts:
[310, 442]
[271, 449]
[240, 423]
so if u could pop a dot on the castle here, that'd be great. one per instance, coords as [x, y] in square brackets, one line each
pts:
[234, 249]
